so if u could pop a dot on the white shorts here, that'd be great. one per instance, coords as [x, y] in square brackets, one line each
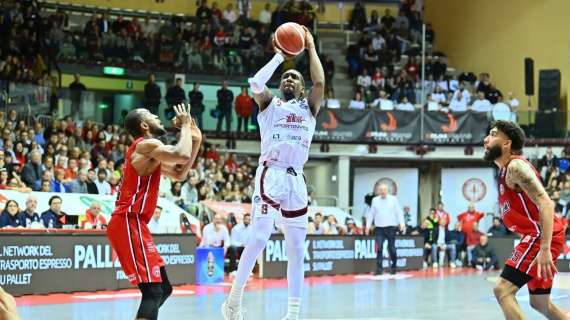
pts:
[281, 194]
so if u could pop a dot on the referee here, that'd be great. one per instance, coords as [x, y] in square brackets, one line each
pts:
[387, 215]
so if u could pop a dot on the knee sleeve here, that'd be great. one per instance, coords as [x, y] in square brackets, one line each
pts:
[150, 302]
[166, 286]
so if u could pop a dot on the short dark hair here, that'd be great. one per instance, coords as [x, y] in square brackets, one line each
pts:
[511, 130]
[53, 198]
[318, 214]
[159, 208]
[102, 171]
[247, 215]
[132, 123]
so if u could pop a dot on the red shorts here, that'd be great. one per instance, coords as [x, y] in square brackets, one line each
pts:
[131, 240]
[525, 252]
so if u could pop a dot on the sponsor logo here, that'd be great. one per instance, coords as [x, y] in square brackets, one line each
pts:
[131, 277]
[474, 190]
[332, 123]
[392, 124]
[451, 125]
[295, 118]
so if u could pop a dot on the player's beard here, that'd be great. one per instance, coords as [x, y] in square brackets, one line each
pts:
[157, 131]
[493, 153]
[288, 94]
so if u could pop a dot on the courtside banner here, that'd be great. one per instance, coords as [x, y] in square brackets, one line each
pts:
[45, 263]
[333, 255]
[401, 182]
[368, 126]
[461, 186]
[504, 247]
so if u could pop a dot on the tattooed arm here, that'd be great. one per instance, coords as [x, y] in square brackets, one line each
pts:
[521, 176]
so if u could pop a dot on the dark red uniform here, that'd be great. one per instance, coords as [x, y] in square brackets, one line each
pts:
[521, 215]
[128, 231]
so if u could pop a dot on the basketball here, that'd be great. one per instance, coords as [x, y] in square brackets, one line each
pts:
[290, 38]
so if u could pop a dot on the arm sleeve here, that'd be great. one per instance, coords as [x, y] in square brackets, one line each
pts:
[257, 83]
[399, 212]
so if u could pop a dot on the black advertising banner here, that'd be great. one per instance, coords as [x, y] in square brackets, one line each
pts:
[401, 127]
[455, 128]
[504, 247]
[333, 255]
[342, 125]
[394, 127]
[43, 263]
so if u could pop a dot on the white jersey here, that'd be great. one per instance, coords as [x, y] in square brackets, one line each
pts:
[287, 128]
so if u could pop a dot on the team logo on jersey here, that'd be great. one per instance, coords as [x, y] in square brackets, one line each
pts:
[474, 190]
[294, 118]
[505, 207]
[156, 271]
[392, 185]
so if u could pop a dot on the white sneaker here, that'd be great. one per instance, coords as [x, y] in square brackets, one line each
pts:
[425, 265]
[231, 313]
[435, 265]
[452, 265]
[479, 267]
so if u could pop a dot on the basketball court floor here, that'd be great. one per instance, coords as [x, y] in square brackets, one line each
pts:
[450, 294]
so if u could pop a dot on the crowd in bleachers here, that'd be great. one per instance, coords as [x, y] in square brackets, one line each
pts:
[386, 64]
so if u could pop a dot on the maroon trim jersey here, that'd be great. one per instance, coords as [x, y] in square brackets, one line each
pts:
[137, 194]
[519, 213]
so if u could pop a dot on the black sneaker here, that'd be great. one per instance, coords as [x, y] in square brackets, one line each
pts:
[392, 271]
[379, 272]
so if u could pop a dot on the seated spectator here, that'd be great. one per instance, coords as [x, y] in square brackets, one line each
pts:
[497, 229]
[433, 232]
[351, 228]
[472, 240]
[383, 102]
[154, 224]
[29, 218]
[316, 227]
[512, 102]
[428, 232]
[493, 94]
[216, 234]
[103, 187]
[33, 170]
[79, 184]
[93, 218]
[57, 184]
[331, 226]
[329, 101]
[454, 243]
[458, 103]
[439, 95]
[357, 102]
[484, 256]
[54, 217]
[10, 217]
[432, 105]
[481, 104]
[405, 105]
[239, 236]
[364, 80]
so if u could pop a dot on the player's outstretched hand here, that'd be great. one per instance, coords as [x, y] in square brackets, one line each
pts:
[8, 310]
[545, 267]
[279, 51]
[196, 132]
[182, 114]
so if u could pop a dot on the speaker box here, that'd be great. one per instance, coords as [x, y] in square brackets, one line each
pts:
[528, 76]
[549, 125]
[549, 90]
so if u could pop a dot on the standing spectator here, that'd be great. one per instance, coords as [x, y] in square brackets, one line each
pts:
[443, 216]
[154, 224]
[388, 20]
[469, 218]
[484, 256]
[93, 217]
[225, 100]
[471, 241]
[203, 13]
[244, 109]
[103, 187]
[196, 99]
[439, 68]
[386, 213]
[497, 229]
[358, 17]
[174, 96]
[10, 217]
[33, 170]
[76, 89]
[239, 236]
[265, 15]
[152, 94]
[328, 66]
[29, 218]
[216, 234]
[54, 217]
[230, 16]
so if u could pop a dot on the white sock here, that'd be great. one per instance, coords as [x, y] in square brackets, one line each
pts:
[236, 295]
[293, 308]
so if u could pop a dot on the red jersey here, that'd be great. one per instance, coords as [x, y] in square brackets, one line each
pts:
[518, 212]
[137, 194]
[468, 219]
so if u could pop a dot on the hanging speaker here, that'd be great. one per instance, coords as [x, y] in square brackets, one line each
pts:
[529, 76]
[549, 90]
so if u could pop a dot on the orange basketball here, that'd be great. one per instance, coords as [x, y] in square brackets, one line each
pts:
[290, 38]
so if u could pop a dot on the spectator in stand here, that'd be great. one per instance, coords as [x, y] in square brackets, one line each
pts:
[383, 103]
[58, 184]
[364, 80]
[429, 234]
[443, 216]
[54, 217]
[329, 101]
[351, 228]
[196, 99]
[358, 17]
[239, 237]
[216, 234]
[79, 184]
[388, 21]
[76, 89]
[316, 227]
[497, 229]
[481, 104]
[328, 67]
[10, 217]
[484, 84]
[244, 109]
[29, 218]
[454, 243]
[265, 15]
[458, 103]
[91, 186]
[434, 234]
[468, 77]
[484, 255]
[154, 224]
[225, 100]
[471, 241]
[103, 187]
[469, 218]
[439, 67]
[331, 226]
[152, 94]
[405, 105]
[357, 102]
[203, 13]
[512, 102]
[493, 95]
[174, 96]
[230, 15]
[33, 170]
[93, 218]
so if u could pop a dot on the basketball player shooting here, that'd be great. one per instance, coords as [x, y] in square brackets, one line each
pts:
[287, 125]
[146, 159]
[526, 209]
